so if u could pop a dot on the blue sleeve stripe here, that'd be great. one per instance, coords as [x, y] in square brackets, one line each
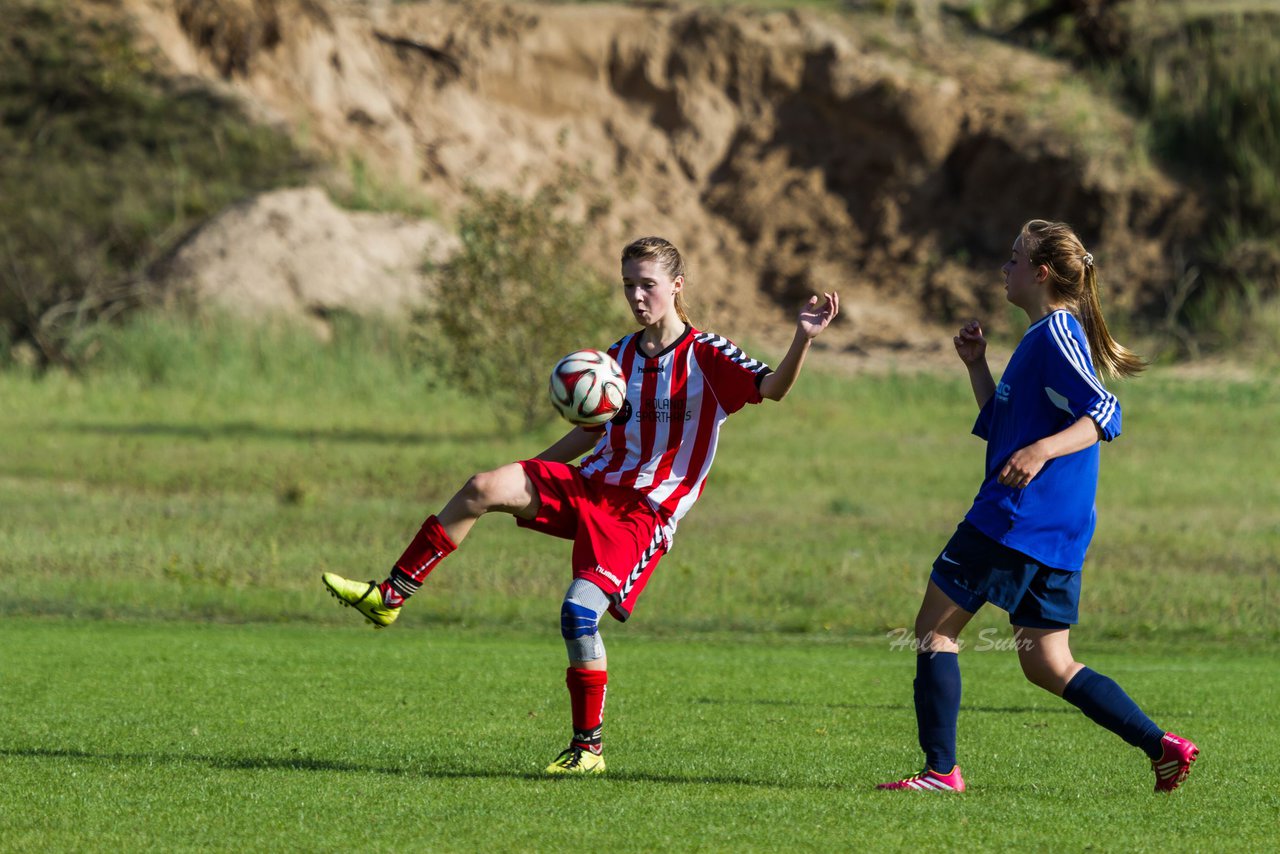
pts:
[1070, 347]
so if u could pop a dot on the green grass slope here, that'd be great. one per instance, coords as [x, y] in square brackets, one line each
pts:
[214, 473]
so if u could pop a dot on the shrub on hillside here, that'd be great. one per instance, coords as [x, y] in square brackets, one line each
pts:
[1203, 77]
[517, 297]
[106, 164]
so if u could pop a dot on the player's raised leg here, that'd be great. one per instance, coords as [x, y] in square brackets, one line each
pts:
[937, 693]
[1045, 655]
[506, 490]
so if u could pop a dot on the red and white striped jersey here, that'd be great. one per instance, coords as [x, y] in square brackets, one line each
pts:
[663, 441]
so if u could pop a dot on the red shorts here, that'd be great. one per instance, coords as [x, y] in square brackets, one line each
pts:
[616, 533]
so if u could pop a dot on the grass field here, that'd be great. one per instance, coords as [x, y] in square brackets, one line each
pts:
[170, 736]
[217, 478]
[173, 676]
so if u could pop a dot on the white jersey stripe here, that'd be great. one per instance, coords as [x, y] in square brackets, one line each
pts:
[680, 462]
[1070, 348]
[709, 415]
[676, 403]
[613, 448]
[1104, 409]
[661, 428]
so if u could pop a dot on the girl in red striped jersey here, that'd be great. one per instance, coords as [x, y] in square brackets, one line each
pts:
[622, 503]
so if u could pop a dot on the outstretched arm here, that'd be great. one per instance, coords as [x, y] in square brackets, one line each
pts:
[813, 319]
[571, 446]
[971, 347]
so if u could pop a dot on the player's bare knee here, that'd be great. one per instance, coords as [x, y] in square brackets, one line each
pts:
[488, 490]
[473, 493]
[929, 638]
[936, 643]
[1036, 676]
[1041, 673]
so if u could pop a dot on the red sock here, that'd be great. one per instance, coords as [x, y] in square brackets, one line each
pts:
[429, 547]
[586, 695]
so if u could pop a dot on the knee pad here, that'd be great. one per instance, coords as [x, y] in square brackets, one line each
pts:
[580, 614]
[577, 621]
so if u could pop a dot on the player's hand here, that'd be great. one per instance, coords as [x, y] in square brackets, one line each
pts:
[1022, 467]
[814, 318]
[971, 346]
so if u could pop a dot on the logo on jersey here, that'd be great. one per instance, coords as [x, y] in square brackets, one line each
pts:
[664, 410]
[1059, 400]
[1003, 390]
[624, 414]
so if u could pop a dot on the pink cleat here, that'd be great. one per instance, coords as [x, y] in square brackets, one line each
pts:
[1174, 764]
[930, 781]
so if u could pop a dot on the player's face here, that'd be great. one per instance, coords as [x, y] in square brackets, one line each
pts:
[1023, 281]
[650, 290]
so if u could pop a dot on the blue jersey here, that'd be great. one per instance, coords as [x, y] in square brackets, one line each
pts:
[1048, 385]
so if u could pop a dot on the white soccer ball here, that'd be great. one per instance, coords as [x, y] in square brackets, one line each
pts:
[587, 387]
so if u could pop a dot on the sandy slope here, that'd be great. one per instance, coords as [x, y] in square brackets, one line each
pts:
[784, 152]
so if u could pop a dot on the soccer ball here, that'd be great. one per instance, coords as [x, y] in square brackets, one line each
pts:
[587, 387]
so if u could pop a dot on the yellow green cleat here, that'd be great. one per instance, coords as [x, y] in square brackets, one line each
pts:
[576, 760]
[364, 596]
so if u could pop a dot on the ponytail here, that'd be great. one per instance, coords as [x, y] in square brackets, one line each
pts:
[681, 312]
[1111, 357]
[1074, 281]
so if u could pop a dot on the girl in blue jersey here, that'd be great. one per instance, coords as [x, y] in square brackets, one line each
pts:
[1022, 544]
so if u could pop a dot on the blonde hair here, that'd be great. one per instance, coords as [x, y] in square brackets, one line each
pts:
[1074, 280]
[667, 256]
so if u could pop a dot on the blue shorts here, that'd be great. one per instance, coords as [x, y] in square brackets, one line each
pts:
[974, 569]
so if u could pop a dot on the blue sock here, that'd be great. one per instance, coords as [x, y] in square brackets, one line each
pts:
[937, 692]
[1106, 704]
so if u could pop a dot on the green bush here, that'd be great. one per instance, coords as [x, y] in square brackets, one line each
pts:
[1209, 87]
[1205, 77]
[1203, 74]
[1202, 77]
[362, 188]
[107, 163]
[518, 296]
